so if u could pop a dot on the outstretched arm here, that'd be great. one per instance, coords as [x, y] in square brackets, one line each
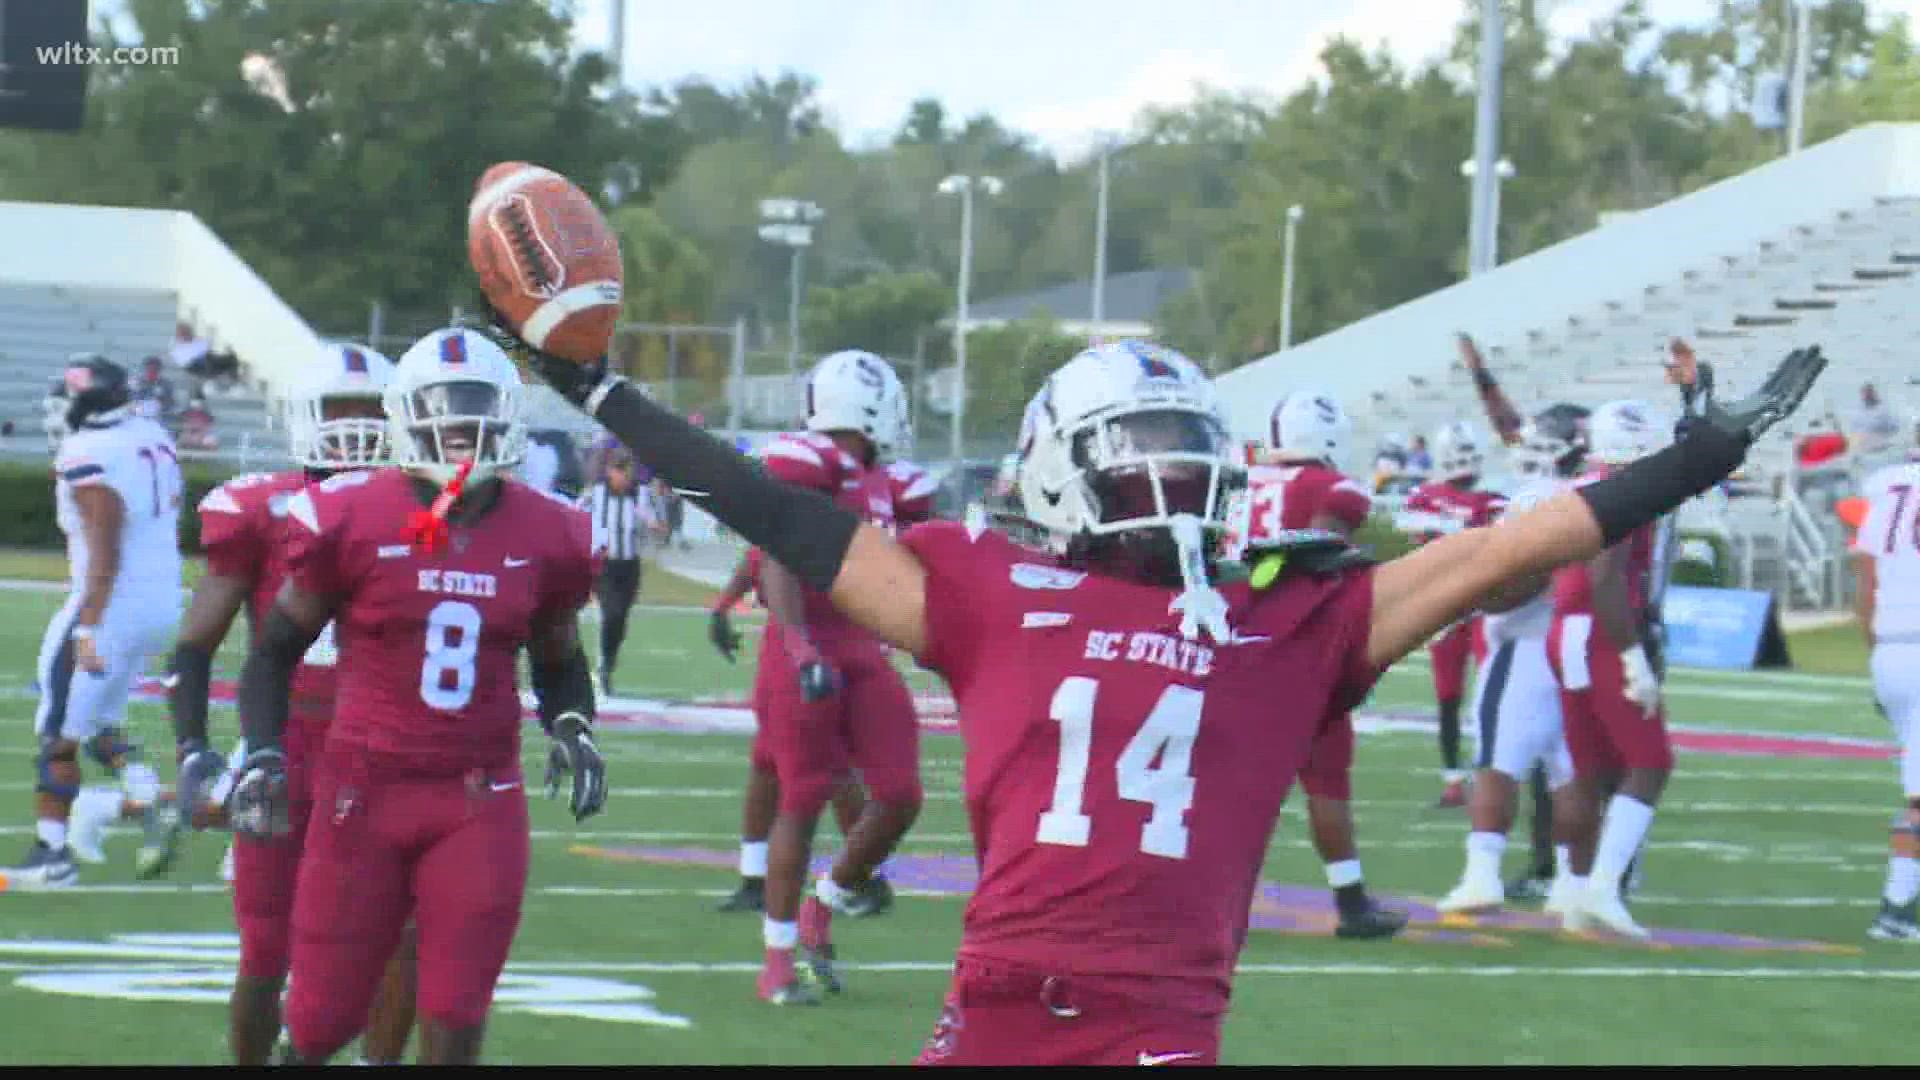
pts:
[1417, 594]
[1501, 414]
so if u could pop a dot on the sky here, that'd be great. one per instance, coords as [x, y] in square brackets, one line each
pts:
[1060, 70]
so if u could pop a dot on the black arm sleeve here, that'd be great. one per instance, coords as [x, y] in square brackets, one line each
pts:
[192, 678]
[563, 688]
[1658, 483]
[266, 680]
[802, 530]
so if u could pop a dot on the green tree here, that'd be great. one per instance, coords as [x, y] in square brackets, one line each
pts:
[885, 313]
[341, 170]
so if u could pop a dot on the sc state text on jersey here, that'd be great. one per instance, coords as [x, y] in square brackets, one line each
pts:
[1147, 647]
[458, 583]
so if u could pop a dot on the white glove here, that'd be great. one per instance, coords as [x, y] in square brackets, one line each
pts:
[1643, 688]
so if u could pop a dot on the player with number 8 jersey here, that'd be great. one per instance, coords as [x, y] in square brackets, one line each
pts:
[420, 807]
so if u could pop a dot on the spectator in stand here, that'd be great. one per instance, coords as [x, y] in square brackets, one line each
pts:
[153, 393]
[1822, 446]
[196, 426]
[1418, 460]
[1873, 427]
[189, 354]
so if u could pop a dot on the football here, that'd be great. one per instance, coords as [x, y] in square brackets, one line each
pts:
[546, 259]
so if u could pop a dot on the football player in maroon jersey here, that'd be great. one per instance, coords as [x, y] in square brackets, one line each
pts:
[1295, 488]
[1449, 502]
[334, 424]
[1130, 728]
[1606, 659]
[420, 804]
[826, 694]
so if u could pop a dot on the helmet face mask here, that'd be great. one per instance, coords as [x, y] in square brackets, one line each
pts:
[1458, 452]
[455, 398]
[1554, 442]
[97, 391]
[1121, 440]
[335, 417]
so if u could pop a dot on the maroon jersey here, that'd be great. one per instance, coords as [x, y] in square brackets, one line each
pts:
[811, 460]
[1437, 508]
[1573, 584]
[913, 491]
[1294, 496]
[429, 643]
[1121, 781]
[243, 528]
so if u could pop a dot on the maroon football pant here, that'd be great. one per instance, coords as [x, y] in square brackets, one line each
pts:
[264, 871]
[1025, 1018]
[869, 723]
[1607, 733]
[1449, 653]
[449, 852]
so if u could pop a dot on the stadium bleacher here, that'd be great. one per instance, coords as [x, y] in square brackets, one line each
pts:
[42, 325]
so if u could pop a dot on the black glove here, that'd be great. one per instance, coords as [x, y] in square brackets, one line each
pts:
[818, 681]
[720, 631]
[573, 754]
[199, 766]
[257, 809]
[1776, 399]
[574, 381]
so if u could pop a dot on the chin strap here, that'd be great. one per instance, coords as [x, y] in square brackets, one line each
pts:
[427, 529]
[1200, 605]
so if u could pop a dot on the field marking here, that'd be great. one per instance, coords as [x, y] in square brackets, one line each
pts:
[657, 892]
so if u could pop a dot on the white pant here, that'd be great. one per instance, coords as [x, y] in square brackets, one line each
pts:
[1517, 703]
[77, 705]
[1896, 682]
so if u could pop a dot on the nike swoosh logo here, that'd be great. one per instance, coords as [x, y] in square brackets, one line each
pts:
[511, 563]
[1162, 1059]
[508, 786]
[1052, 497]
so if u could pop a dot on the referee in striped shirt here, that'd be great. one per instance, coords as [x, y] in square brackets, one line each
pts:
[620, 507]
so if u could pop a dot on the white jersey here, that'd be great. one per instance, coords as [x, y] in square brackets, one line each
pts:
[1890, 533]
[1532, 619]
[135, 459]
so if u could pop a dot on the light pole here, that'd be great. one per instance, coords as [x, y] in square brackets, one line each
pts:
[1099, 313]
[789, 222]
[1490, 246]
[1294, 214]
[1802, 54]
[964, 186]
[1486, 138]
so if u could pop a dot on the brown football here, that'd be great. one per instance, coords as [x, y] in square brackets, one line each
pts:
[546, 258]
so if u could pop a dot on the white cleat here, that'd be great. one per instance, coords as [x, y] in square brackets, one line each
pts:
[1601, 909]
[1560, 894]
[1473, 895]
[93, 811]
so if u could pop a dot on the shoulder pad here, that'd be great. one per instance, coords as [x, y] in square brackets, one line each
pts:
[342, 480]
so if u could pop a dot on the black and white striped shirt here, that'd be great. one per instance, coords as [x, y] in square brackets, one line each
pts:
[618, 520]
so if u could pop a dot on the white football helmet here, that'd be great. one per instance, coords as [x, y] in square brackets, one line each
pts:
[349, 377]
[1553, 442]
[1125, 436]
[853, 390]
[1309, 425]
[455, 395]
[1624, 431]
[1458, 450]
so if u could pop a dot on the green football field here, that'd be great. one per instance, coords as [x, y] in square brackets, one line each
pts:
[1763, 872]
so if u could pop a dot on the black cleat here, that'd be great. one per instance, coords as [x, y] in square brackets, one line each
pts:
[1528, 888]
[1896, 923]
[1373, 921]
[817, 962]
[750, 896]
[873, 898]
